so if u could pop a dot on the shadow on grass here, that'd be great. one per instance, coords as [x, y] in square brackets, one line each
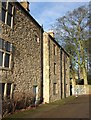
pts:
[24, 114]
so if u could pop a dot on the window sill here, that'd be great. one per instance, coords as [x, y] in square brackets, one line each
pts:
[7, 69]
[4, 81]
[4, 24]
[55, 94]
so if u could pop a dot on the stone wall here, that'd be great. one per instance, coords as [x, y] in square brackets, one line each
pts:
[46, 68]
[26, 70]
[81, 89]
[33, 60]
[67, 61]
[55, 78]
[49, 77]
[58, 76]
[65, 80]
[62, 85]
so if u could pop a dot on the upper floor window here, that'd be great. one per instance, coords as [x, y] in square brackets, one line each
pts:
[55, 69]
[3, 11]
[5, 54]
[55, 49]
[36, 38]
[7, 13]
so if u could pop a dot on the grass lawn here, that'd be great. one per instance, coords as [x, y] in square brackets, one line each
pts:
[41, 108]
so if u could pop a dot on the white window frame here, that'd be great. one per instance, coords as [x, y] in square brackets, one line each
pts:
[10, 58]
[5, 90]
[6, 15]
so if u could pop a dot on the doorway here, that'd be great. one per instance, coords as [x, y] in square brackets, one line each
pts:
[35, 92]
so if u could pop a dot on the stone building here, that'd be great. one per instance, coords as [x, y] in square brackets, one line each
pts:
[65, 75]
[56, 82]
[33, 66]
[21, 41]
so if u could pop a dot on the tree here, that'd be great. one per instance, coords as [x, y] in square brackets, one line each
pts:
[72, 32]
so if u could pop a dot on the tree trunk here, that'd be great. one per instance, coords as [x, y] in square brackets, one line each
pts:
[84, 71]
[82, 55]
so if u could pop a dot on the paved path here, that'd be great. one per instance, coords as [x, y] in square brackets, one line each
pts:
[76, 108]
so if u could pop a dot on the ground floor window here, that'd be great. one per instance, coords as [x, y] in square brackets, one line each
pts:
[6, 90]
[55, 90]
[2, 90]
[5, 54]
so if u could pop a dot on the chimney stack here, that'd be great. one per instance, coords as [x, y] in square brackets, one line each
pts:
[51, 33]
[25, 4]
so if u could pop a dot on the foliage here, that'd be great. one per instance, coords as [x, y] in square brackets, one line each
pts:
[21, 100]
[72, 32]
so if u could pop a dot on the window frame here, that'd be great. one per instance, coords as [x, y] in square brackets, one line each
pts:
[4, 51]
[5, 91]
[7, 13]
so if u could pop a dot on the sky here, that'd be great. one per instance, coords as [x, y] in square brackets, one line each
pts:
[46, 13]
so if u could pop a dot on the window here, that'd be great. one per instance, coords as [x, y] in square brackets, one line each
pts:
[3, 15]
[6, 90]
[7, 13]
[54, 68]
[4, 5]
[5, 54]
[2, 85]
[1, 44]
[55, 49]
[7, 46]
[1, 58]
[35, 92]
[3, 11]
[7, 59]
[36, 38]
[55, 88]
